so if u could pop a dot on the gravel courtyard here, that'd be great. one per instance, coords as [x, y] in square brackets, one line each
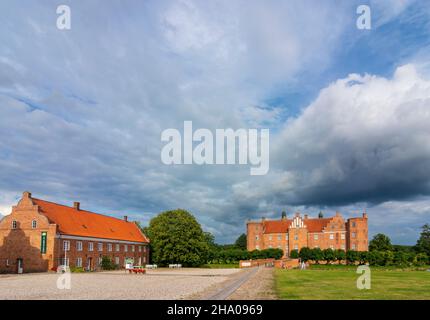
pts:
[156, 284]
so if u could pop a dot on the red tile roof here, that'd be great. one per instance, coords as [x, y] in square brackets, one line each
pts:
[83, 223]
[316, 225]
[282, 226]
[278, 226]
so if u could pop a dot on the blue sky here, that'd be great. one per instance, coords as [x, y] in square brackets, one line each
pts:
[82, 110]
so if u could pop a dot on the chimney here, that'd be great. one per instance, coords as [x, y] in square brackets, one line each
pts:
[284, 215]
[77, 205]
[125, 218]
[26, 194]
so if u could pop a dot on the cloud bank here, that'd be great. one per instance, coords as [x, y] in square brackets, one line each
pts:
[82, 111]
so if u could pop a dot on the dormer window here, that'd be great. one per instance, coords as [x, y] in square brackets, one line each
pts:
[14, 224]
[34, 224]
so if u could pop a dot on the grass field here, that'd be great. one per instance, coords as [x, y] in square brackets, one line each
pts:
[220, 266]
[340, 283]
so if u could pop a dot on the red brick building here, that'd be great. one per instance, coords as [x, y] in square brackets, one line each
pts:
[298, 232]
[39, 236]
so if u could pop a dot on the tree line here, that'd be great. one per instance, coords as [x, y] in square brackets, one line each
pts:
[381, 253]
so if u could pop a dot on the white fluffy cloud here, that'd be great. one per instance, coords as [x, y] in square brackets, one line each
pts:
[365, 138]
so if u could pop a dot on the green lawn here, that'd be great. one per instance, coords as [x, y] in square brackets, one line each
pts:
[220, 265]
[338, 283]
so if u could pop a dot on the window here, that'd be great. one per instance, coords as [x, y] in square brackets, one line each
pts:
[279, 247]
[140, 248]
[296, 237]
[66, 245]
[331, 247]
[286, 236]
[353, 224]
[79, 262]
[270, 237]
[257, 247]
[90, 246]
[100, 261]
[315, 237]
[353, 234]
[64, 261]
[144, 249]
[117, 247]
[342, 236]
[43, 242]
[117, 260]
[353, 246]
[100, 246]
[144, 260]
[132, 248]
[79, 245]
[270, 246]
[296, 247]
[109, 247]
[125, 248]
[34, 224]
[342, 247]
[279, 237]
[14, 224]
[7, 262]
[331, 236]
[256, 238]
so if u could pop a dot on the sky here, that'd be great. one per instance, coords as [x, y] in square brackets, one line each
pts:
[82, 110]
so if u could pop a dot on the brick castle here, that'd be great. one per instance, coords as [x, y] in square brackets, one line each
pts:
[298, 232]
[39, 236]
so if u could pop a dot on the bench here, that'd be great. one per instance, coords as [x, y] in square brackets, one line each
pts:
[151, 266]
[137, 270]
[175, 265]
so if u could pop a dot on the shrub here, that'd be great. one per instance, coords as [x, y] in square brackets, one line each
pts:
[294, 254]
[340, 255]
[328, 255]
[352, 256]
[77, 269]
[317, 255]
[421, 259]
[305, 254]
[107, 264]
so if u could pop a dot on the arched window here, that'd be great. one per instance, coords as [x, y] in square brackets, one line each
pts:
[14, 224]
[34, 224]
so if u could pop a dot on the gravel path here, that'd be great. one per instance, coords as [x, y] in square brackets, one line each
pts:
[156, 284]
[259, 287]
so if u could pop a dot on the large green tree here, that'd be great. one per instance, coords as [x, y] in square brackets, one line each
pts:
[380, 242]
[241, 242]
[423, 243]
[177, 237]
